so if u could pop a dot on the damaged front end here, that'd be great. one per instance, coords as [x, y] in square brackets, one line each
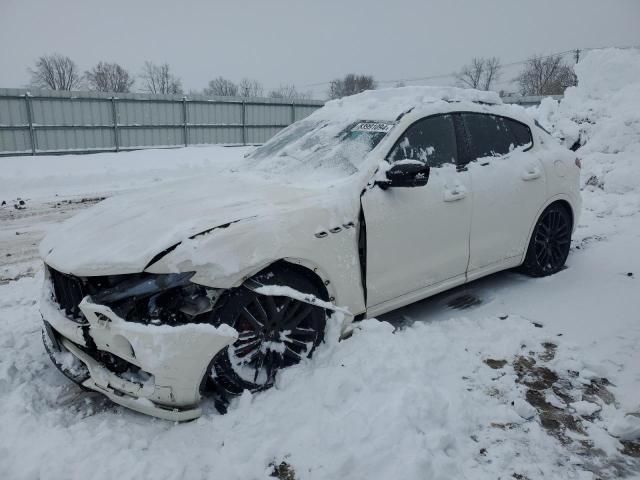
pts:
[145, 341]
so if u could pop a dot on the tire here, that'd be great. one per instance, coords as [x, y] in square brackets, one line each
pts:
[550, 242]
[263, 348]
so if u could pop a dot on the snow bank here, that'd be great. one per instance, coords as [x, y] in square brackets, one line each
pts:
[602, 116]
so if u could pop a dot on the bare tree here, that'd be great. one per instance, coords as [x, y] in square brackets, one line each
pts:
[221, 87]
[481, 73]
[109, 77]
[350, 85]
[471, 74]
[289, 92]
[159, 79]
[250, 88]
[545, 76]
[55, 72]
[492, 67]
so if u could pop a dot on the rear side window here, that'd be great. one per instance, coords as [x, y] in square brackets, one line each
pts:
[431, 140]
[519, 131]
[488, 135]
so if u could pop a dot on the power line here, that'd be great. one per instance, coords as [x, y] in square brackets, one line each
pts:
[442, 75]
[575, 52]
[433, 77]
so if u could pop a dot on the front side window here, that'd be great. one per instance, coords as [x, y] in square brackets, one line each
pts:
[431, 140]
[488, 135]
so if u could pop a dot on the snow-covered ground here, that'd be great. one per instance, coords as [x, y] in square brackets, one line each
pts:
[507, 377]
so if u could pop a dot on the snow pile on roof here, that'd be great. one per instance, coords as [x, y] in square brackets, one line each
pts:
[602, 116]
[388, 103]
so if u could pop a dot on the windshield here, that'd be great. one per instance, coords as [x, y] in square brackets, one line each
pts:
[312, 145]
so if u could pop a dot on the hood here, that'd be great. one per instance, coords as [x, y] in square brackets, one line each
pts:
[124, 233]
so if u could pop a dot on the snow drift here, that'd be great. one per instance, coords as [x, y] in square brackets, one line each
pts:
[601, 116]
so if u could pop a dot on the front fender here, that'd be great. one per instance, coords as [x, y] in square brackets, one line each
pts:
[226, 258]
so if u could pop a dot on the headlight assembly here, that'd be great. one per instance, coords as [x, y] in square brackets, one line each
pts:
[159, 299]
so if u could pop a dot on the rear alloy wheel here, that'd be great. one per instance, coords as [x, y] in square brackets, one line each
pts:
[274, 332]
[550, 242]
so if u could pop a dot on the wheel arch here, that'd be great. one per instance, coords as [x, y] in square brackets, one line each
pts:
[559, 200]
[303, 267]
[563, 200]
[286, 266]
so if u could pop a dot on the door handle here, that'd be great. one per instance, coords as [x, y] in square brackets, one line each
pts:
[531, 174]
[455, 194]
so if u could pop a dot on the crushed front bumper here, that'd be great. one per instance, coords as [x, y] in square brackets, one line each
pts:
[166, 364]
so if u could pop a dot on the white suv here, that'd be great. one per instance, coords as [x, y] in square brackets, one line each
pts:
[372, 202]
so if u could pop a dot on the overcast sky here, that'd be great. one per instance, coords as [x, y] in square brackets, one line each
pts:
[304, 42]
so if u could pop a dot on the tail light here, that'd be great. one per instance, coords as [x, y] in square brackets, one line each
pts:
[578, 163]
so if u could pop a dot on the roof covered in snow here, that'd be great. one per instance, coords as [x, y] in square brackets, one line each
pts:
[317, 143]
[389, 103]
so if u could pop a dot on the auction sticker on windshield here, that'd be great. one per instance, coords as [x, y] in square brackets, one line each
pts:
[377, 127]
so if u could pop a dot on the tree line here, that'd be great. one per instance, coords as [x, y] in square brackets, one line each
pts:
[59, 72]
[540, 75]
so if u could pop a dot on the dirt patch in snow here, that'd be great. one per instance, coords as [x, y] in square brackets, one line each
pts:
[631, 449]
[495, 364]
[567, 407]
[283, 471]
[584, 242]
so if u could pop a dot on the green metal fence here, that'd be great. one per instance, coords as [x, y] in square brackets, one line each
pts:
[37, 122]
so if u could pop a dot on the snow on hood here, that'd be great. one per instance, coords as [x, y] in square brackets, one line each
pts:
[124, 233]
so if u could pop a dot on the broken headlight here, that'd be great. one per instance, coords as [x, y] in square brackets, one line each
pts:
[159, 299]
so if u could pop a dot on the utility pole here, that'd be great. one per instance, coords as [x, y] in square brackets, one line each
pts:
[576, 57]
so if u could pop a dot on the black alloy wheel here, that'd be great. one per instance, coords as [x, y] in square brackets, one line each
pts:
[550, 242]
[274, 332]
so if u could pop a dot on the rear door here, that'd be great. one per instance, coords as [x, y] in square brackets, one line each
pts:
[419, 237]
[508, 189]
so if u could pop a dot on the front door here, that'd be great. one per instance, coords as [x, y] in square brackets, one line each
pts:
[418, 237]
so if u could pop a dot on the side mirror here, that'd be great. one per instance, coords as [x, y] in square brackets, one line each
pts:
[405, 173]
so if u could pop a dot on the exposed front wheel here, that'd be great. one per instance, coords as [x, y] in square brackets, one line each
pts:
[274, 332]
[550, 242]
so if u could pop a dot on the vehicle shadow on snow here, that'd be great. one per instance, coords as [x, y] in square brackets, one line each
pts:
[460, 300]
[479, 293]
[83, 403]
[72, 401]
